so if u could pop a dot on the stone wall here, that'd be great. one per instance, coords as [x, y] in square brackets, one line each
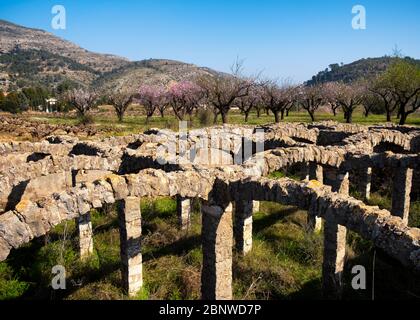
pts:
[61, 178]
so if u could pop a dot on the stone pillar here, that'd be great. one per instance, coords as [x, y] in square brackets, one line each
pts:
[315, 172]
[243, 225]
[364, 183]
[334, 246]
[401, 193]
[130, 232]
[334, 257]
[255, 206]
[84, 227]
[183, 207]
[341, 183]
[217, 241]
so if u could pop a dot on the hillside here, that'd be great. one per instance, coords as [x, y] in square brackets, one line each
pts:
[369, 67]
[13, 36]
[152, 71]
[32, 57]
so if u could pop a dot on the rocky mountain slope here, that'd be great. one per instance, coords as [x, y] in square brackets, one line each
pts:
[33, 57]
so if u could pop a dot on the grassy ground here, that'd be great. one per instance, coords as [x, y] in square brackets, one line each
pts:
[285, 262]
[137, 123]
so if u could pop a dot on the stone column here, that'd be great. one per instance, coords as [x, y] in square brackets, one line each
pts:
[334, 246]
[315, 172]
[243, 225]
[217, 241]
[401, 193]
[364, 183]
[334, 257]
[130, 241]
[84, 227]
[183, 207]
[255, 206]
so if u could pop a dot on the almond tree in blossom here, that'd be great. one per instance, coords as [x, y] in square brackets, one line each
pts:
[330, 96]
[311, 98]
[349, 96]
[184, 97]
[151, 97]
[120, 99]
[82, 100]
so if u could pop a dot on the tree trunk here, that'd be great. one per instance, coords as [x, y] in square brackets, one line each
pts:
[224, 117]
[246, 116]
[312, 115]
[366, 113]
[334, 112]
[276, 116]
[215, 117]
[258, 112]
[348, 115]
[120, 116]
[282, 114]
[403, 118]
[287, 112]
[388, 116]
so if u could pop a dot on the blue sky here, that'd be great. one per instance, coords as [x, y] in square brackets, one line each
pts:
[292, 39]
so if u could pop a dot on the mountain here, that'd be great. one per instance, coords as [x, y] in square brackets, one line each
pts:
[33, 57]
[369, 67]
[152, 71]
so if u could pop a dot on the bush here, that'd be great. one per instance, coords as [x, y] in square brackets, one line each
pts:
[14, 102]
[205, 117]
[10, 287]
[86, 120]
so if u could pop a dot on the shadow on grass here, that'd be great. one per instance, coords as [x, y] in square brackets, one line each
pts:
[179, 247]
[262, 222]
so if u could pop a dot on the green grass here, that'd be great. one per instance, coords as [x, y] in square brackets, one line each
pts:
[137, 123]
[285, 261]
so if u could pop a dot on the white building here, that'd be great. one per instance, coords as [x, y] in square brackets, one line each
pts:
[50, 105]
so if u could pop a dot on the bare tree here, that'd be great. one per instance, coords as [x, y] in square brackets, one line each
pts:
[330, 96]
[277, 97]
[370, 101]
[222, 90]
[310, 98]
[82, 100]
[120, 99]
[388, 101]
[349, 96]
[250, 101]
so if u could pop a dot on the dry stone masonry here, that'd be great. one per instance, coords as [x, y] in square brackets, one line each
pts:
[60, 178]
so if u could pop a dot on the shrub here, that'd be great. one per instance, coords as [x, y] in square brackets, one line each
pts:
[205, 117]
[86, 120]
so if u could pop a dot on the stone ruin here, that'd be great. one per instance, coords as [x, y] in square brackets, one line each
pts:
[45, 183]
